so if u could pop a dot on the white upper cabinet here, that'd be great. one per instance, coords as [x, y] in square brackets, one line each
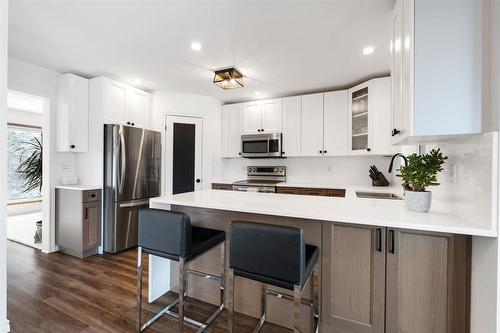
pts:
[262, 116]
[381, 117]
[120, 103]
[335, 123]
[369, 118]
[72, 114]
[139, 108]
[440, 88]
[312, 125]
[252, 117]
[272, 115]
[230, 134]
[292, 124]
[116, 101]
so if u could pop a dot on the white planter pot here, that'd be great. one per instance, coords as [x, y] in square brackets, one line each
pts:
[418, 201]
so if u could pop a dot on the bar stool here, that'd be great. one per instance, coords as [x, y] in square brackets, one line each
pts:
[275, 255]
[170, 235]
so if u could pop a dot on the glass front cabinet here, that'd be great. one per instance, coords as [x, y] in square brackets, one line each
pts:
[360, 114]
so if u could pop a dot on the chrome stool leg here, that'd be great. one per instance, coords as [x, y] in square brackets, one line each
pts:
[297, 301]
[182, 276]
[139, 288]
[230, 287]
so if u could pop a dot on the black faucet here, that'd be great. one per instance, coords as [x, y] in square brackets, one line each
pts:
[394, 157]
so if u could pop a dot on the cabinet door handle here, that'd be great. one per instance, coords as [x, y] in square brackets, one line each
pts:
[392, 242]
[368, 149]
[321, 152]
[395, 132]
[128, 122]
[379, 239]
[72, 146]
[85, 213]
[325, 151]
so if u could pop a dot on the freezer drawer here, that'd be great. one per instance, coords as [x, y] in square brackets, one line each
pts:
[126, 224]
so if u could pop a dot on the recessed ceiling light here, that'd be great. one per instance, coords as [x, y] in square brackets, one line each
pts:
[137, 81]
[258, 93]
[368, 50]
[196, 46]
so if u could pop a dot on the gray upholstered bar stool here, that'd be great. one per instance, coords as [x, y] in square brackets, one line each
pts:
[170, 235]
[274, 255]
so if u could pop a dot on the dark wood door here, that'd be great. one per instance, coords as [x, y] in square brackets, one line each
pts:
[428, 285]
[91, 225]
[353, 288]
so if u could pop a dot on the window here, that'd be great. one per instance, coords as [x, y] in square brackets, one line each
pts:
[22, 142]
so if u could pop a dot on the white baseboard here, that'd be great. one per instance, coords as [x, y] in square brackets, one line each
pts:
[4, 326]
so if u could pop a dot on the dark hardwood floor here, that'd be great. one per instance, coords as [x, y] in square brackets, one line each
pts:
[59, 293]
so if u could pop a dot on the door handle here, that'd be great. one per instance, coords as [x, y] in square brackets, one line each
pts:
[392, 242]
[85, 213]
[134, 204]
[379, 239]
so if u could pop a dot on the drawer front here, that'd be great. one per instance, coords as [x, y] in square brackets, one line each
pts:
[218, 186]
[288, 190]
[315, 191]
[336, 193]
[92, 195]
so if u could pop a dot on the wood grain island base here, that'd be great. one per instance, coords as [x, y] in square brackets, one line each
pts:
[370, 279]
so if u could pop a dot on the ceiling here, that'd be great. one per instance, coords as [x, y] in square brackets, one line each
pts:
[283, 47]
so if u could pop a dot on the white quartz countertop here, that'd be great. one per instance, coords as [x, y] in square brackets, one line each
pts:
[79, 187]
[351, 209]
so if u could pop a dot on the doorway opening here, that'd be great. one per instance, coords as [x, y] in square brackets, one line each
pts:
[184, 147]
[25, 172]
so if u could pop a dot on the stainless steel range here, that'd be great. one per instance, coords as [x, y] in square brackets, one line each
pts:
[261, 179]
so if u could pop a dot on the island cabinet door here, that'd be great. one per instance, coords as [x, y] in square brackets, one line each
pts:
[427, 282]
[353, 287]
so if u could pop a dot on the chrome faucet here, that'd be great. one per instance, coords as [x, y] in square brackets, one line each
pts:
[394, 157]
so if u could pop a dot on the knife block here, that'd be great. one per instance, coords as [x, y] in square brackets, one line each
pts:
[381, 180]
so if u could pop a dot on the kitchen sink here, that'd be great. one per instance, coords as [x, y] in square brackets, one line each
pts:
[378, 195]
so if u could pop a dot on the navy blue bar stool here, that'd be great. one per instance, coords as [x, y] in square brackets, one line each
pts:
[170, 235]
[274, 255]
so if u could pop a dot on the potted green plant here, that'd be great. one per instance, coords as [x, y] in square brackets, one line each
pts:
[30, 170]
[420, 173]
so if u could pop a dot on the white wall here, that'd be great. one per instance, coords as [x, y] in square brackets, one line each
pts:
[352, 170]
[35, 80]
[4, 15]
[206, 107]
[19, 117]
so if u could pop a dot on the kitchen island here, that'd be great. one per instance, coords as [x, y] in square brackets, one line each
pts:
[373, 252]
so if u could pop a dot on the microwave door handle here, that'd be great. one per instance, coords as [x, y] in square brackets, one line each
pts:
[268, 147]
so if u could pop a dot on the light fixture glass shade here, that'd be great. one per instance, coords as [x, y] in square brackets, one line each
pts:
[228, 78]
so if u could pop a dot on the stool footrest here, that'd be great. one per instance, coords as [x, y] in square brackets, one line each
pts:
[168, 311]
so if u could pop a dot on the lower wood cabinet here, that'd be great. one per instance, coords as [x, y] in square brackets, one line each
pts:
[78, 221]
[428, 282]
[353, 282]
[390, 280]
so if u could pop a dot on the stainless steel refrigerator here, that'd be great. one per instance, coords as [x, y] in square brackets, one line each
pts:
[132, 168]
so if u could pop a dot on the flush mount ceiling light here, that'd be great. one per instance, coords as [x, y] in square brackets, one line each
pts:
[195, 46]
[228, 78]
[368, 50]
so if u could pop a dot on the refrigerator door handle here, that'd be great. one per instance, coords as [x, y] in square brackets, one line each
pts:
[123, 164]
[134, 204]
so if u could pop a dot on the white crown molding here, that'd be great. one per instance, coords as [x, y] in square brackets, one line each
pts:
[4, 326]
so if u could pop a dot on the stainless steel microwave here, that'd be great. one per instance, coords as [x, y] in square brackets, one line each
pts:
[261, 145]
